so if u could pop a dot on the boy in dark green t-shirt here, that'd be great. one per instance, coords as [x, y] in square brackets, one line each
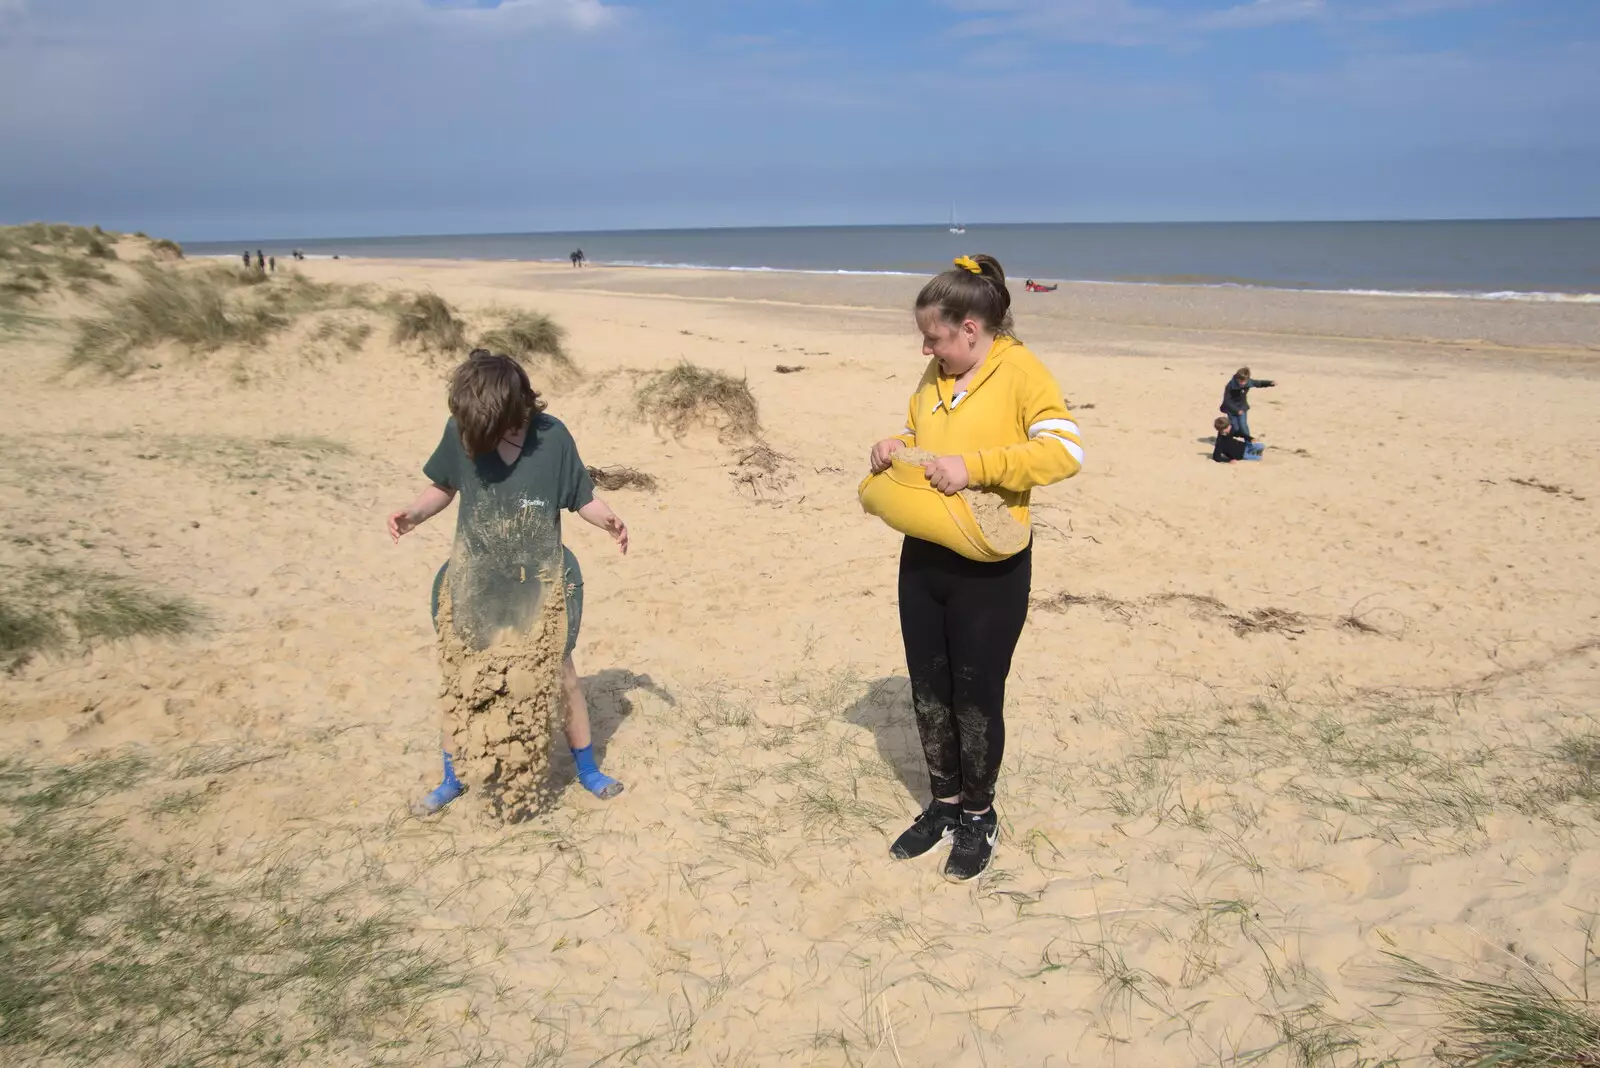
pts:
[516, 470]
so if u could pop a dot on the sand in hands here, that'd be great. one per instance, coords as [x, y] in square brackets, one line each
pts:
[1000, 528]
[501, 700]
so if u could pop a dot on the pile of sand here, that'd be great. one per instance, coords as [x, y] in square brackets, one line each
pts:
[500, 703]
[1003, 531]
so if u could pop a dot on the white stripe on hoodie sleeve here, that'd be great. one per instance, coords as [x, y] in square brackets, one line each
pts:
[1059, 430]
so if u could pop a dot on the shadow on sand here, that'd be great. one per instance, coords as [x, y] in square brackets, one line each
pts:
[885, 710]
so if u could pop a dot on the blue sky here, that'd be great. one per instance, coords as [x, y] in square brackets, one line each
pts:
[285, 118]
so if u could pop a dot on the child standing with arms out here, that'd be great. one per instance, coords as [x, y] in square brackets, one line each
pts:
[994, 417]
[505, 456]
[1236, 400]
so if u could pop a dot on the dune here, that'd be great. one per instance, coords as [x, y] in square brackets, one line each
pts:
[1280, 733]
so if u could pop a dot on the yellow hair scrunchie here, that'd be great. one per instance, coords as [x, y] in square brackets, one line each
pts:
[967, 263]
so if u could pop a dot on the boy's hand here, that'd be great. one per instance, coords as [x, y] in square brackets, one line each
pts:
[599, 514]
[429, 503]
[882, 451]
[947, 474]
[401, 522]
[618, 530]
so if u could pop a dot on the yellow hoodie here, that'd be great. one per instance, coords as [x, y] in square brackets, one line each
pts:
[1010, 425]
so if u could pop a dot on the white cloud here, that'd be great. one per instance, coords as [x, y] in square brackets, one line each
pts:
[1119, 22]
[1406, 9]
[1129, 22]
[1262, 13]
[513, 14]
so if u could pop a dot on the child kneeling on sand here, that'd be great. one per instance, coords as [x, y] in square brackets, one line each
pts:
[504, 456]
[1231, 445]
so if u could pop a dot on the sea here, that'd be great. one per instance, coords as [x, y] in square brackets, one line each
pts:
[1510, 259]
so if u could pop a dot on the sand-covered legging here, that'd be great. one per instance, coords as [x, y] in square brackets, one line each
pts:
[960, 620]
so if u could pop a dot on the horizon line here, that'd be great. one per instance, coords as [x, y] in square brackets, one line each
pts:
[905, 226]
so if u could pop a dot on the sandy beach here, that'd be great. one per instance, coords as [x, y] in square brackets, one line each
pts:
[1269, 722]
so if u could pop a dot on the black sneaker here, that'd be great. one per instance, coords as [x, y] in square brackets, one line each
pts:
[974, 846]
[937, 822]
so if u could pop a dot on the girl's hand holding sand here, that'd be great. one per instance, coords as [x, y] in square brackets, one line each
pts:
[881, 453]
[947, 474]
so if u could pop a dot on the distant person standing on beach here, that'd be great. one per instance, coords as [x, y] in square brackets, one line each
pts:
[273, 263]
[247, 259]
[1236, 400]
[261, 261]
[994, 418]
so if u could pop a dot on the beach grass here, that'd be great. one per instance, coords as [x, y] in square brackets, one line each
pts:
[428, 321]
[1523, 1021]
[36, 260]
[191, 309]
[531, 337]
[206, 309]
[349, 335]
[44, 608]
[117, 953]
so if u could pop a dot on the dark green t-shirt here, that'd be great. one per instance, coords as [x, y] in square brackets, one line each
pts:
[508, 524]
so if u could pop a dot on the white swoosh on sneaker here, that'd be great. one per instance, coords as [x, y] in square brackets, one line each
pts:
[992, 837]
[948, 832]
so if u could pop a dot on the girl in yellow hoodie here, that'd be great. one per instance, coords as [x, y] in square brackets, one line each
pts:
[994, 418]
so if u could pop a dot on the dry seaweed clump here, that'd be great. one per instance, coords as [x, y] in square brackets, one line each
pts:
[761, 469]
[688, 396]
[620, 478]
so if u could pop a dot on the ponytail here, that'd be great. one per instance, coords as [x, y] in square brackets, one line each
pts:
[975, 288]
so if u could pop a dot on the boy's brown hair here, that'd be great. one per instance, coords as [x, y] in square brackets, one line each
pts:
[1220, 423]
[490, 397]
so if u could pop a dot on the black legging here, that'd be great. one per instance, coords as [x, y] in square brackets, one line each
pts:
[961, 620]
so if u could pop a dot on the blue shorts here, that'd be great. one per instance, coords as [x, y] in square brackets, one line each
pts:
[574, 596]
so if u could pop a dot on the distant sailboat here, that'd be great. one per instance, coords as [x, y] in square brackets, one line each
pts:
[955, 227]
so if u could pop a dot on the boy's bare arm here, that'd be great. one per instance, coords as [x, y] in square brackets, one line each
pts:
[598, 513]
[429, 503]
